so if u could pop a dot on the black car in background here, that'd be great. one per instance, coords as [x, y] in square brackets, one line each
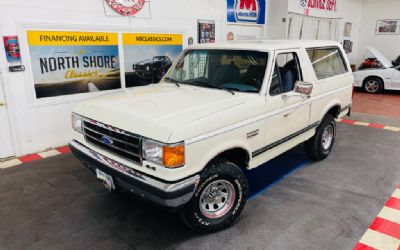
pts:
[152, 70]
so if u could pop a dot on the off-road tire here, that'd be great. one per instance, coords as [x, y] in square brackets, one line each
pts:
[314, 146]
[218, 170]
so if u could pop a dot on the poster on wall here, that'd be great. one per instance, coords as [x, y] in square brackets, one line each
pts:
[348, 46]
[206, 30]
[347, 29]
[246, 11]
[388, 27]
[148, 56]
[66, 63]
[11, 47]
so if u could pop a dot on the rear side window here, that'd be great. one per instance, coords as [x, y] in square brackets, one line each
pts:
[327, 62]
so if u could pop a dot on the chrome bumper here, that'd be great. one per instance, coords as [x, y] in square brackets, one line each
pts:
[165, 193]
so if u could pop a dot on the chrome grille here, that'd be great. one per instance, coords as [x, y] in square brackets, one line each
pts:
[116, 141]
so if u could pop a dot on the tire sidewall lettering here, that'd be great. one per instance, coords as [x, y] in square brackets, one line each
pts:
[240, 197]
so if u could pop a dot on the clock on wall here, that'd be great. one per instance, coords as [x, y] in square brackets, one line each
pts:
[126, 7]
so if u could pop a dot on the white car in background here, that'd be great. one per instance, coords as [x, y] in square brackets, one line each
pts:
[375, 80]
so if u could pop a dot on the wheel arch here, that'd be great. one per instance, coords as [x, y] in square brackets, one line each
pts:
[237, 154]
[334, 109]
[373, 76]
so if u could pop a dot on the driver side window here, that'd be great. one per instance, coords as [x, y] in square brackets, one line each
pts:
[287, 72]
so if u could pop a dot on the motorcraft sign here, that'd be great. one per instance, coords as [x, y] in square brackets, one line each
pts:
[246, 11]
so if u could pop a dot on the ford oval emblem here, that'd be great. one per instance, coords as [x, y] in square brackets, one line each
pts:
[107, 140]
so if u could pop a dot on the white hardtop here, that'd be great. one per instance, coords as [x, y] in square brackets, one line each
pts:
[381, 58]
[267, 44]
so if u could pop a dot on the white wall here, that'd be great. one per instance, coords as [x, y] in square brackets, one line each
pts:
[276, 11]
[388, 44]
[347, 11]
[41, 125]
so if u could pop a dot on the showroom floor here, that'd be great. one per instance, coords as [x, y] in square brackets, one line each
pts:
[55, 203]
[384, 104]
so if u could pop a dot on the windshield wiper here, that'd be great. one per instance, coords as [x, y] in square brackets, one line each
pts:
[172, 80]
[213, 86]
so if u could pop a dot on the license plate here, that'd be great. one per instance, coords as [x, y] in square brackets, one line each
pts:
[106, 179]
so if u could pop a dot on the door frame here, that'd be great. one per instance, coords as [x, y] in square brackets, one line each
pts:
[9, 142]
[10, 108]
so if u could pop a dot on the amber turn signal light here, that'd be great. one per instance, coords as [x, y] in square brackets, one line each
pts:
[174, 156]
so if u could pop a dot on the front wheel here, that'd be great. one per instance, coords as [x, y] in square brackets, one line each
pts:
[320, 145]
[219, 198]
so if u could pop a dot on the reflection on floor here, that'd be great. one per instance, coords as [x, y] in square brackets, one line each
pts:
[263, 177]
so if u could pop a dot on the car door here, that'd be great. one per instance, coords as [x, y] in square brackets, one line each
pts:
[395, 79]
[288, 112]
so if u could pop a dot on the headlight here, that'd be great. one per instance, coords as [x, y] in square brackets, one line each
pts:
[148, 68]
[77, 123]
[170, 156]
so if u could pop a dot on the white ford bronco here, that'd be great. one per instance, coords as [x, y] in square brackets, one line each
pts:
[221, 110]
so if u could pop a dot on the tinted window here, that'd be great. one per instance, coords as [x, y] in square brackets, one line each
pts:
[237, 70]
[327, 62]
[286, 73]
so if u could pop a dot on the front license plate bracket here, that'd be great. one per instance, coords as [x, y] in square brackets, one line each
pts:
[106, 179]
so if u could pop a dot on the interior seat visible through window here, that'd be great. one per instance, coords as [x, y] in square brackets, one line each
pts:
[287, 72]
[289, 75]
[254, 75]
[228, 73]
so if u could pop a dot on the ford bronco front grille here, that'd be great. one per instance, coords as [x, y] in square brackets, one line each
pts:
[114, 140]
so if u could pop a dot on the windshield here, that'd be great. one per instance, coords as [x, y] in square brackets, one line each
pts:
[237, 70]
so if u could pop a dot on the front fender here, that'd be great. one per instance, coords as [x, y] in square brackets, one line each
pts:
[210, 149]
[329, 106]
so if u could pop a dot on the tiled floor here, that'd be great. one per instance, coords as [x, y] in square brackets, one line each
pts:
[384, 104]
[56, 203]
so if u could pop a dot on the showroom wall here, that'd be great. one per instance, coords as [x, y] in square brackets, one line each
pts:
[387, 44]
[40, 124]
[346, 11]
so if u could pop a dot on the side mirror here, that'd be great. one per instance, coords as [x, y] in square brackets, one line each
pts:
[303, 88]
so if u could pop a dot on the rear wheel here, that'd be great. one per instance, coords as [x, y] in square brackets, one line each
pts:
[373, 85]
[320, 145]
[219, 198]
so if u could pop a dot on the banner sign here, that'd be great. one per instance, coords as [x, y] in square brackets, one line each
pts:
[329, 5]
[246, 11]
[148, 56]
[65, 63]
[11, 47]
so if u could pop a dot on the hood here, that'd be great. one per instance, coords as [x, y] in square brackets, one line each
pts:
[156, 110]
[382, 59]
[145, 62]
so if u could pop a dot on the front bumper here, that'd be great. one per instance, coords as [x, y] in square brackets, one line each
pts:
[171, 195]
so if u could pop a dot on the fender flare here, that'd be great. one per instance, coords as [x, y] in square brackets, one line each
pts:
[332, 104]
[220, 149]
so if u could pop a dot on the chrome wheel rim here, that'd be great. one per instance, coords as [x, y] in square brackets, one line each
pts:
[217, 199]
[327, 137]
[372, 86]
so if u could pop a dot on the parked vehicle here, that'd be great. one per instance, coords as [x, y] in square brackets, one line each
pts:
[153, 69]
[376, 79]
[221, 110]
